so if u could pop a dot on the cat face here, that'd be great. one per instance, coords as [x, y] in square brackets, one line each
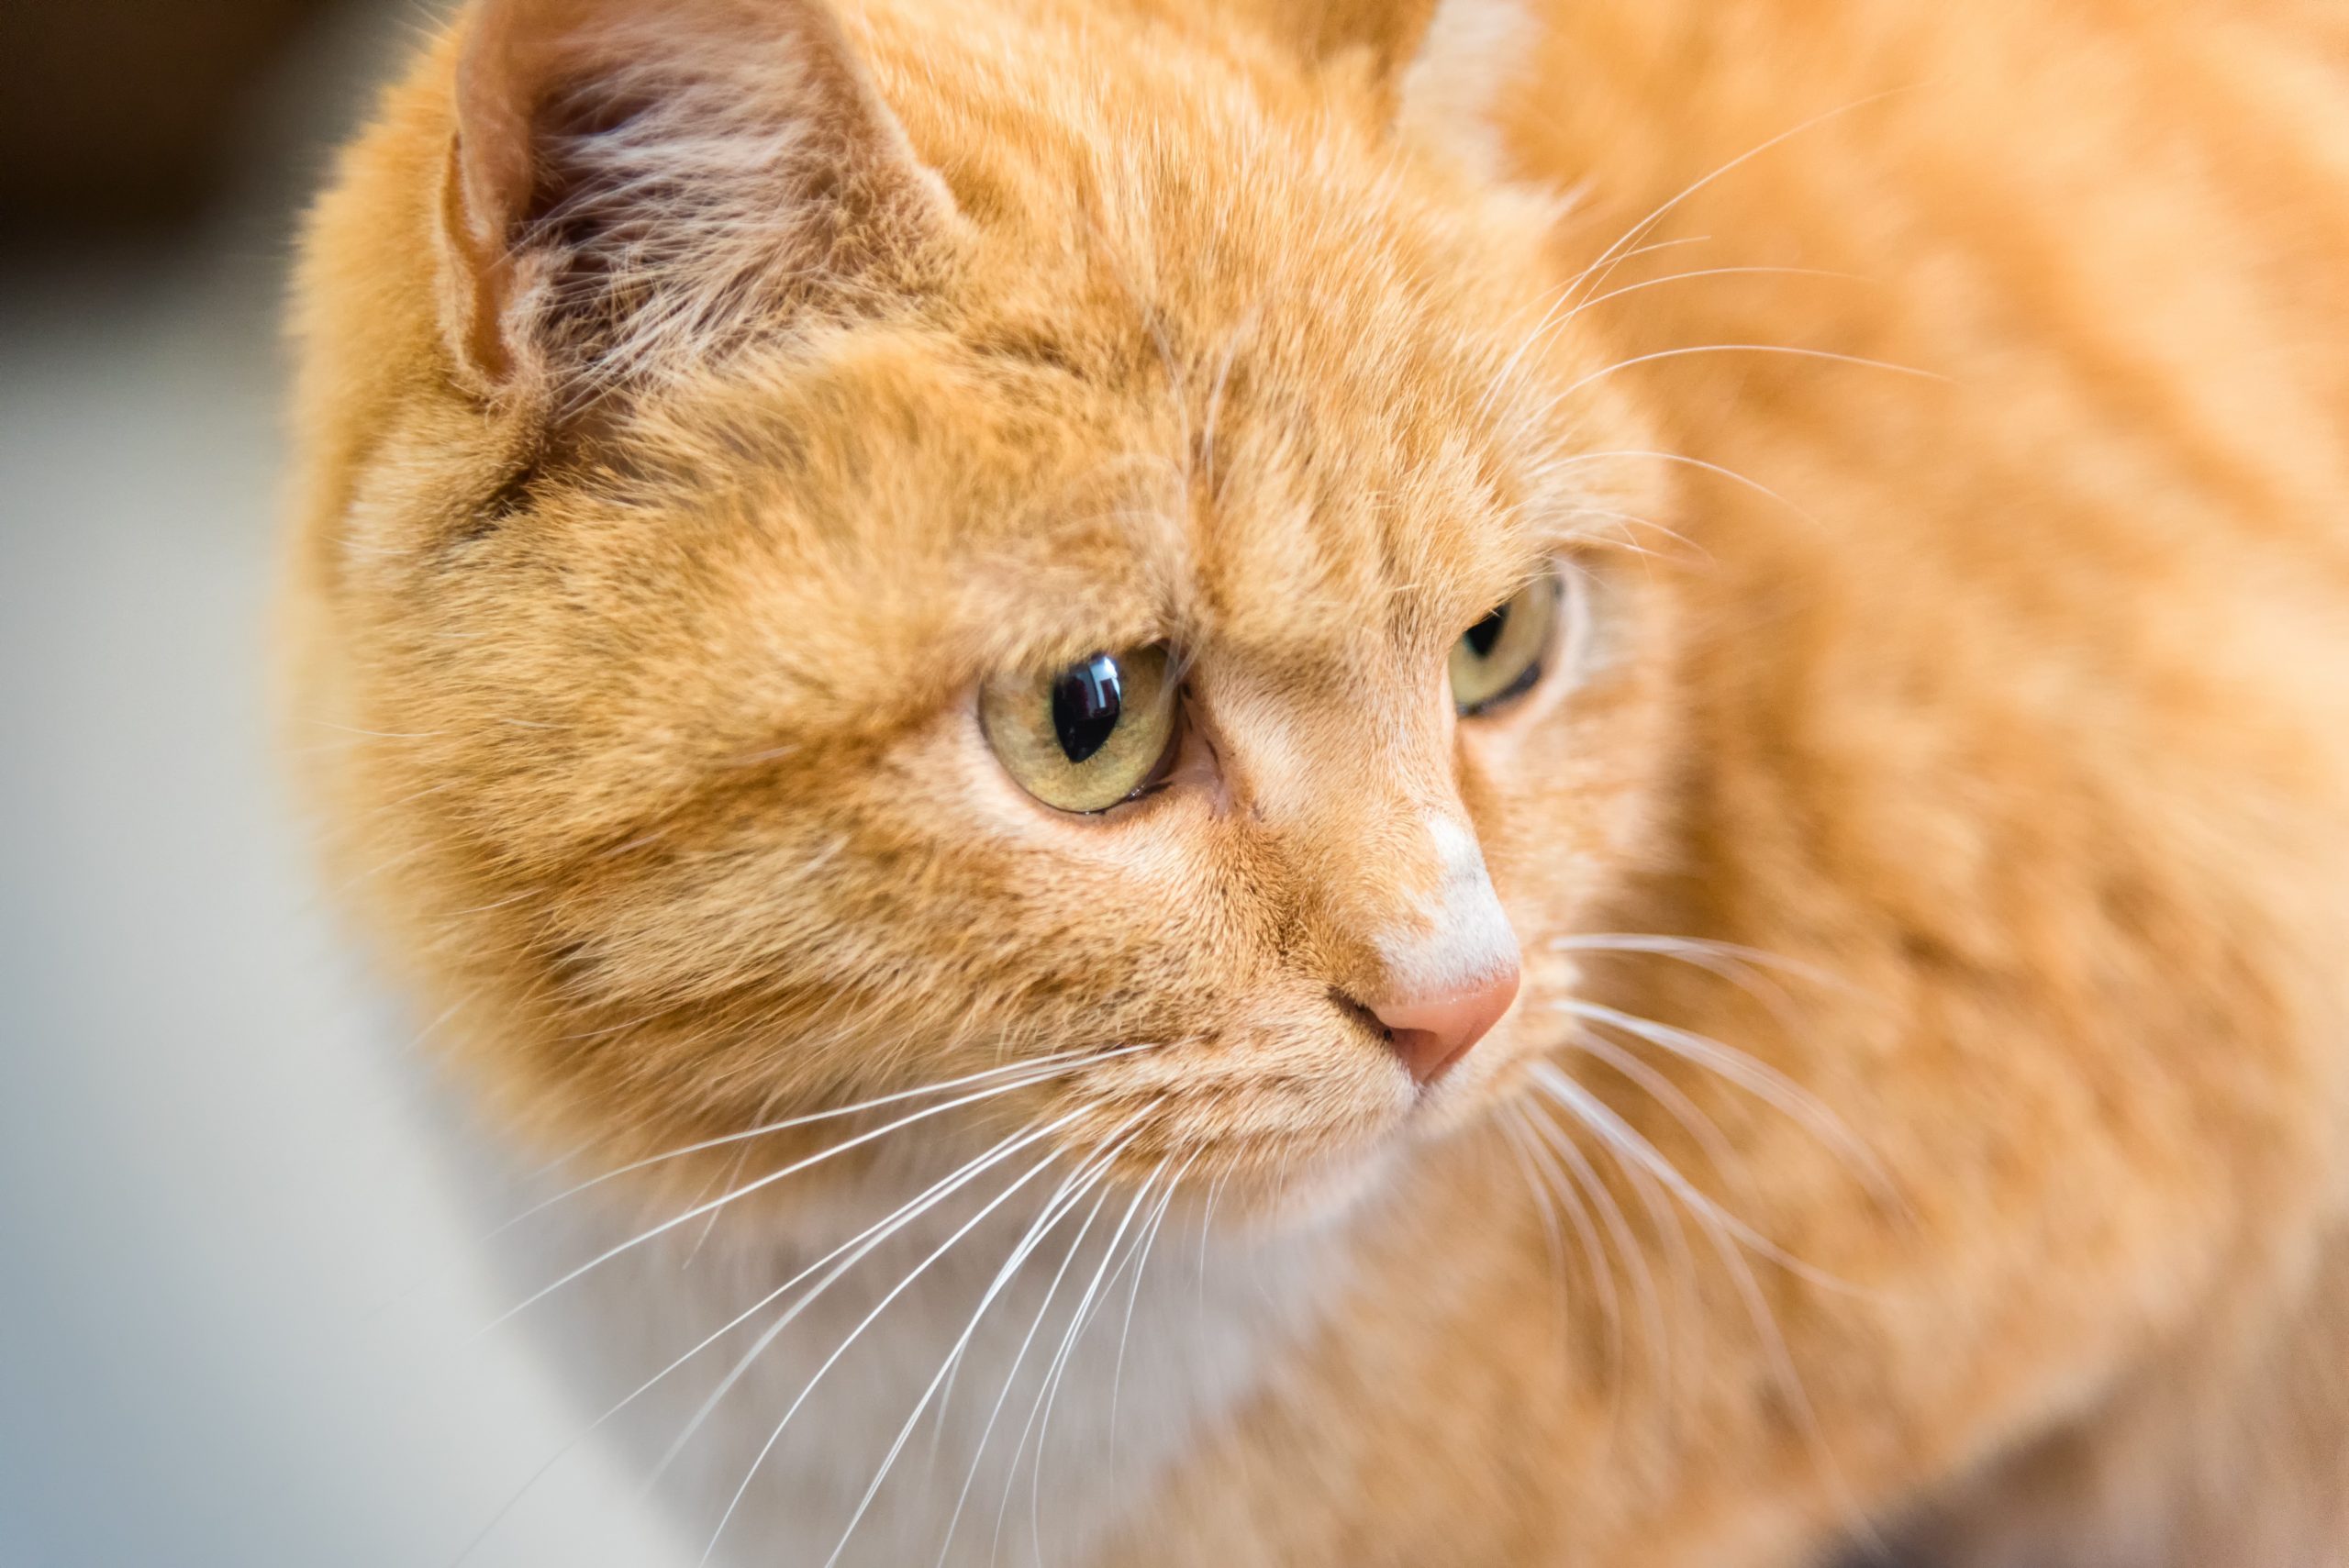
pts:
[874, 571]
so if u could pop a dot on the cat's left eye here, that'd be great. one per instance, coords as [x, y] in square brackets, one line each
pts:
[1505, 655]
[1088, 736]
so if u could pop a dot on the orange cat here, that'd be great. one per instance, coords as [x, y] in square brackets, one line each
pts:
[1521, 782]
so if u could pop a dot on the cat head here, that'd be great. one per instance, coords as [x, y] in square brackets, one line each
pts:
[1044, 560]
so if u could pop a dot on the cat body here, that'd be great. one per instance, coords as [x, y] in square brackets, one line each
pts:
[1846, 1051]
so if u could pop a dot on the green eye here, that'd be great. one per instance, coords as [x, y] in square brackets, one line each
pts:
[1501, 657]
[1088, 736]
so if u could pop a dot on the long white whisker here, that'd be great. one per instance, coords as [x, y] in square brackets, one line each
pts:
[1064, 1197]
[1765, 1082]
[915, 1205]
[1561, 310]
[1610, 1215]
[1791, 351]
[1692, 1117]
[1729, 960]
[1059, 1367]
[848, 1254]
[1596, 300]
[1019, 1357]
[1044, 1224]
[1670, 1227]
[1050, 1383]
[710, 1225]
[842, 1348]
[1683, 458]
[1207, 1224]
[791, 1170]
[1702, 951]
[1043, 1068]
[1553, 1243]
[1633, 234]
[1623, 537]
[1133, 1294]
[1002, 1277]
[1555, 321]
[1620, 1135]
[1552, 1185]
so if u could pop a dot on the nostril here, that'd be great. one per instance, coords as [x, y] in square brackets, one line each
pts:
[1362, 1013]
[1426, 1054]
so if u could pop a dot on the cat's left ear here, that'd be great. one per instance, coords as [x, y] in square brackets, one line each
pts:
[1375, 40]
[1439, 65]
[630, 179]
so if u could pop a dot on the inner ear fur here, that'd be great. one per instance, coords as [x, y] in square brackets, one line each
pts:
[630, 179]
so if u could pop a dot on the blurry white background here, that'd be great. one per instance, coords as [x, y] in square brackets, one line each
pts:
[240, 1292]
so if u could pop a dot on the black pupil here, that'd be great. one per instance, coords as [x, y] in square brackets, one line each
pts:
[1087, 701]
[1487, 633]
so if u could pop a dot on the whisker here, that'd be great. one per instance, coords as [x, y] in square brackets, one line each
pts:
[1623, 537]
[978, 1456]
[1206, 1225]
[1560, 310]
[1691, 1117]
[848, 1254]
[842, 1348]
[1073, 1189]
[791, 1170]
[733, 1174]
[1702, 951]
[1062, 1061]
[1133, 1294]
[1553, 321]
[1596, 300]
[921, 1202]
[1520, 1141]
[1059, 1367]
[1610, 1215]
[1626, 1140]
[1789, 350]
[1683, 458]
[953, 1357]
[1048, 1382]
[1670, 1229]
[1633, 234]
[1533, 1165]
[1765, 1082]
[1727, 960]
[1784, 1372]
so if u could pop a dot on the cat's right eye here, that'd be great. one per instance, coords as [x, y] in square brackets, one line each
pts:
[1088, 736]
[1502, 657]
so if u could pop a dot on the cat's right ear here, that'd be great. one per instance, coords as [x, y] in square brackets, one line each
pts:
[632, 180]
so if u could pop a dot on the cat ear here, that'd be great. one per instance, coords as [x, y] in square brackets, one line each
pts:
[1377, 38]
[1440, 66]
[634, 179]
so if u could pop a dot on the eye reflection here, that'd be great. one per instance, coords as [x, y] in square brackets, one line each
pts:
[1087, 701]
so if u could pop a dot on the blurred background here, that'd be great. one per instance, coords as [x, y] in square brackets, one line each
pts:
[240, 1301]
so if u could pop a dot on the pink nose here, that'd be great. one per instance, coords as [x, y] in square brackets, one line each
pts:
[1431, 1031]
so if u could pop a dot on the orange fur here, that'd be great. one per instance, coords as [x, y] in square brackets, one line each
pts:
[650, 547]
